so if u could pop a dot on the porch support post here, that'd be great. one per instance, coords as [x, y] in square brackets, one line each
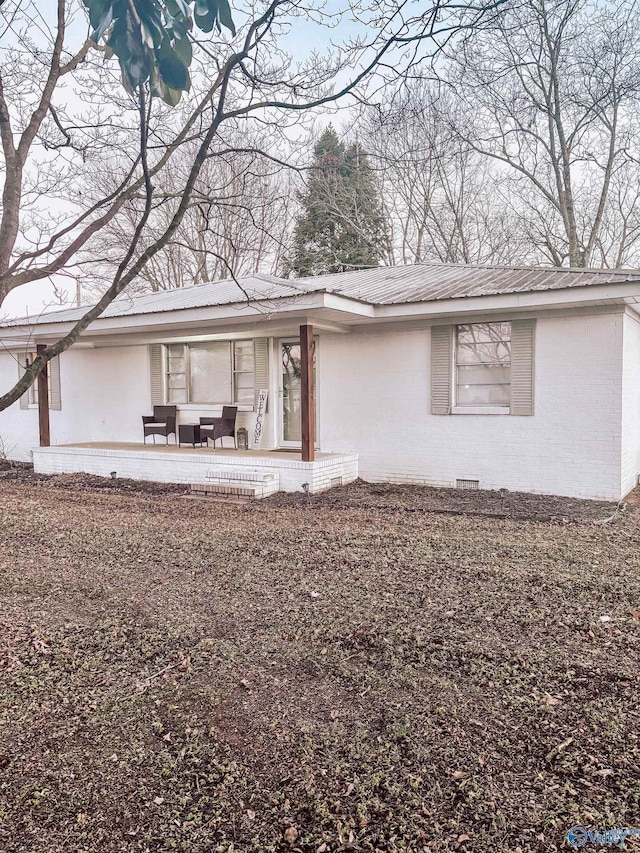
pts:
[43, 402]
[306, 393]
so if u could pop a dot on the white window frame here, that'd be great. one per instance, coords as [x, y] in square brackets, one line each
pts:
[236, 372]
[457, 409]
[32, 391]
[187, 365]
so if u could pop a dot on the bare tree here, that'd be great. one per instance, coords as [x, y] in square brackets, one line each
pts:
[618, 242]
[550, 93]
[439, 194]
[238, 221]
[254, 76]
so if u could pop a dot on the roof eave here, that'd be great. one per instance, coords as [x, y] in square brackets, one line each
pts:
[243, 312]
[354, 310]
[625, 293]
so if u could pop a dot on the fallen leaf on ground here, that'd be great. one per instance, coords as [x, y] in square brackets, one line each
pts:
[291, 835]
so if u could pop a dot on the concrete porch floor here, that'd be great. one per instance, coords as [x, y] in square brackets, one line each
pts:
[209, 450]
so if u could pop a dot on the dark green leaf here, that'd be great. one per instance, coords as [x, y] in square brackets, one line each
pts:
[102, 25]
[174, 73]
[224, 16]
[166, 93]
[155, 30]
[151, 41]
[182, 47]
[181, 8]
[205, 22]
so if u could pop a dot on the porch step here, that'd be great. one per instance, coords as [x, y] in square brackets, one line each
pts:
[243, 475]
[238, 482]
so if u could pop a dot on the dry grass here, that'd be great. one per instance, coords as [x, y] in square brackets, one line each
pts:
[359, 671]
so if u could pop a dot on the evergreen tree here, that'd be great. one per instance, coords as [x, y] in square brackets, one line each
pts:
[341, 226]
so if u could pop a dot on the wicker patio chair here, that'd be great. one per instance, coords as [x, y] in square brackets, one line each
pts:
[161, 422]
[218, 428]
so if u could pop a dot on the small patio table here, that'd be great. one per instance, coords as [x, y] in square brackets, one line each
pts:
[189, 434]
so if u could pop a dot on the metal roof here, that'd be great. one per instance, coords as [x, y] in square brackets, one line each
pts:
[430, 282]
[413, 283]
[258, 288]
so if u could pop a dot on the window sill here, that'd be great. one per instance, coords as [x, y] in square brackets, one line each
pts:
[205, 407]
[480, 410]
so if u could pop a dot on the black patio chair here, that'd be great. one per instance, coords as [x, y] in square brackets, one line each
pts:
[218, 428]
[161, 422]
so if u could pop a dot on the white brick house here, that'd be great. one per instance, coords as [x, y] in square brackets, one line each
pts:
[525, 379]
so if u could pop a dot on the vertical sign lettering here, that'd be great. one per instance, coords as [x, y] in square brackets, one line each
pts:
[260, 410]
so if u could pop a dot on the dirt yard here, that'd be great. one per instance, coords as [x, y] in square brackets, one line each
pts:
[379, 668]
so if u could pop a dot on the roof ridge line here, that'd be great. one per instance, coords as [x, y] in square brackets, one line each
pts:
[462, 265]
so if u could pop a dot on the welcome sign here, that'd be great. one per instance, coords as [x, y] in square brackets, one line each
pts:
[261, 407]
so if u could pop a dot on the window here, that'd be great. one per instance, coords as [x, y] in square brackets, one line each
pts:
[176, 373]
[31, 394]
[210, 373]
[243, 372]
[483, 365]
[483, 368]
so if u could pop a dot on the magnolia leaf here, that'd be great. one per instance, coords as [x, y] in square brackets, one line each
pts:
[179, 7]
[147, 36]
[150, 39]
[97, 9]
[174, 73]
[159, 88]
[205, 22]
[170, 96]
[183, 48]
[224, 16]
[102, 25]
[154, 31]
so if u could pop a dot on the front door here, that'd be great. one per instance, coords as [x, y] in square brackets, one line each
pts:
[290, 394]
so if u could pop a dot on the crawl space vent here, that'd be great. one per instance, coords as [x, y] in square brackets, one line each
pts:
[467, 484]
[335, 481]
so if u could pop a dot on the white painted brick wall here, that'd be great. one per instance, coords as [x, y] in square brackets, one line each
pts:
[375, 399]
[630, 462]
[104, 392]
[18, 427]
[193, 467]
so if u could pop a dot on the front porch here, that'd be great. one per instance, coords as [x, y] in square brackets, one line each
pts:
[263, 471]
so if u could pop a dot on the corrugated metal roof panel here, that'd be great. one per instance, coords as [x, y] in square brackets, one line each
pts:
[379, 286]
[258, 288]
[429, 282]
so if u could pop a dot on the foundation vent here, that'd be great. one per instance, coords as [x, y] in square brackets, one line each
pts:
[335, 481]
[467, 484]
